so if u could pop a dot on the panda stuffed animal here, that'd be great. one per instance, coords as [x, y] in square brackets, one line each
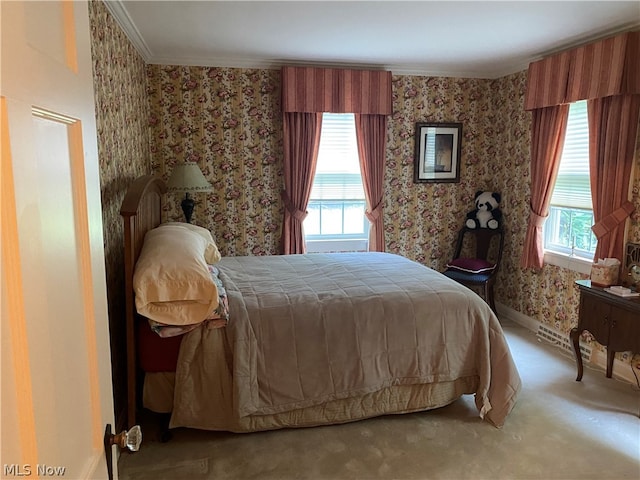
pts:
[486, 214]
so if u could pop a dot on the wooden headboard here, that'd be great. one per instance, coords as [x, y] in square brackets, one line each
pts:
[141, 210]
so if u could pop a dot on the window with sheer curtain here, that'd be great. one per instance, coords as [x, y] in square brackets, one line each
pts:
[336, 219]
[567, 230]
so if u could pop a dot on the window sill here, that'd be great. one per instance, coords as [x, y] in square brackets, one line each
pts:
[577, 264]
[327, 246]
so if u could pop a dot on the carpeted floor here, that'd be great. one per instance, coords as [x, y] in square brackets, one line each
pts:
[560, 429]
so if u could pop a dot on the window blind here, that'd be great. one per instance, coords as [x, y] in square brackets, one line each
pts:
[572, 188]
[337, 186]
[338, 170]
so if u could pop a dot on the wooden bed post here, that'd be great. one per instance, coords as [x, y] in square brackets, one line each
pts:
[141, 211]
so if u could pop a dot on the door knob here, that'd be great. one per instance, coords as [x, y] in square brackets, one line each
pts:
[130, 439]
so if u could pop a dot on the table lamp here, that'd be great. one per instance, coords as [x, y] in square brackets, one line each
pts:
[188, 178]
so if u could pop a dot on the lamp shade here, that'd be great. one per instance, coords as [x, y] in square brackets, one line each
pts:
[187, 177]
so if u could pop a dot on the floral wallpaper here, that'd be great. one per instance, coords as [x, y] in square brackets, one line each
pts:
[123, 151]
[422, 220]
[228, 120]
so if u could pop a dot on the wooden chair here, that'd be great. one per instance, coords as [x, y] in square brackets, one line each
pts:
[476, 260]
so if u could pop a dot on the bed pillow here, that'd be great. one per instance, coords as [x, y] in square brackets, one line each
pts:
[218, 319]
[470, 265]
[211, 254]
[171, 281]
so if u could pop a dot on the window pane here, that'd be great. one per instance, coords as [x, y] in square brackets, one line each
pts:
[331, 218]
[312, 221]
[354, 221]
[568, 230]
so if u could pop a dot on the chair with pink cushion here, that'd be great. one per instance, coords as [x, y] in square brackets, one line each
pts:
[476, 260]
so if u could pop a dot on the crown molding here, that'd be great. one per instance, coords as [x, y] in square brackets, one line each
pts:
[396, 69]
[123, 19]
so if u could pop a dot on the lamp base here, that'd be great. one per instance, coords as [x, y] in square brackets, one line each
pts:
[187, 207]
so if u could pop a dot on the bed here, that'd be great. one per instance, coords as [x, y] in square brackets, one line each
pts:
[314, 339]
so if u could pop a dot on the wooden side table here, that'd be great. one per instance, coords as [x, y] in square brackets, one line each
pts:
[614, 322]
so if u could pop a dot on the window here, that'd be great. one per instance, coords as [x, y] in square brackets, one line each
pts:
[336, 220]
[567, 231]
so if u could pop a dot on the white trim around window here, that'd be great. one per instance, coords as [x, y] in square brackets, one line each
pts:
[577, 264]
[327, 246]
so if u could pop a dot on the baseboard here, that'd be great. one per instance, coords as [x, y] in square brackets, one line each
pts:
[621, 370]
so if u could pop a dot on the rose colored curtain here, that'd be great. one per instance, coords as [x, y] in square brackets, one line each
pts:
[547, 81]
[306, 93]
[607, 71]
[596, 70]
[306, 89]
[605, 68]
[301, 133]
[613, 124]
[371, 134]
[548, 130]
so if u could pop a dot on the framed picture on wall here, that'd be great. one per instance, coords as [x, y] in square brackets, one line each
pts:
[437, 157]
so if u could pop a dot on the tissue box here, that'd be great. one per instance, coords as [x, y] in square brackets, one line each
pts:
[604, 275]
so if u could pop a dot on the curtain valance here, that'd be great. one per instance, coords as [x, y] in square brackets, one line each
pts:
[599, 69]
[547, 81]
[313, 90]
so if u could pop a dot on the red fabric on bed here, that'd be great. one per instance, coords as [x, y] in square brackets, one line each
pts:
[156, 354]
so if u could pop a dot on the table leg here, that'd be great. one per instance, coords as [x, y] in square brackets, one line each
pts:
[575, 340]
[610, 356]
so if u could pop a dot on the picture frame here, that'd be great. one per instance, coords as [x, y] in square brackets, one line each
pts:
[437, 152]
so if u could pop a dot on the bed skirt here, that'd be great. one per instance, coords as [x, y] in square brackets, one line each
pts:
[159, 391]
